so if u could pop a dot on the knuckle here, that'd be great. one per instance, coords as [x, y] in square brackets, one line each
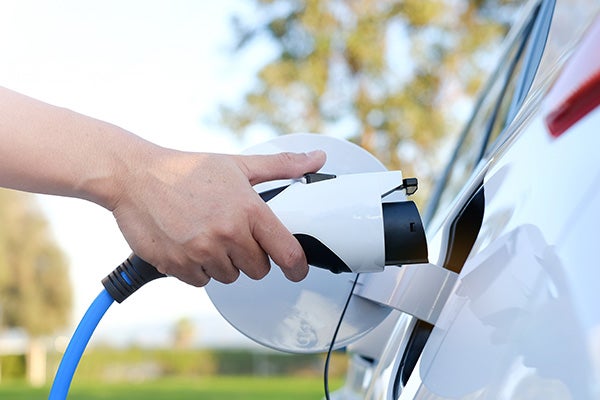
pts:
[197, 250]
[289, 162]
[198, 281]
[286, 157]
[248, 211]
[227, 230]
[229, 276]
[259, 272]
[172, 264]
[292, 257]
[254, 207]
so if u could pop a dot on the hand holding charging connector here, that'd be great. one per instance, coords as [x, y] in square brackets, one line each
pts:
[359, 232]
[348, 222]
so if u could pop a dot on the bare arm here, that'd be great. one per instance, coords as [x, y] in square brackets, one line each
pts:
[192, 215]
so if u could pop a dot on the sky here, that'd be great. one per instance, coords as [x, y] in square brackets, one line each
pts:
[158, 69]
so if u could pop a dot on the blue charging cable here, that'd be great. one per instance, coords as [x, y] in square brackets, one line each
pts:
[78, 343]
[118, 285]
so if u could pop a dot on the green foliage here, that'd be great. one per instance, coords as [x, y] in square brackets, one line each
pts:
[205, 388]
[135, 364]
[12, 366]
[385, 73]
[35, 292]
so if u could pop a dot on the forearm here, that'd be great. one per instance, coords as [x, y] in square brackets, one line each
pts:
[47, 149]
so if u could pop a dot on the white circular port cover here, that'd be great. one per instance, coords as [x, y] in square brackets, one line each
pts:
[301, 317]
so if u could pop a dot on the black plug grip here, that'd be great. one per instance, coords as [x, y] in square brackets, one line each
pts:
[128, 277]
[319, 255]
[405, 241]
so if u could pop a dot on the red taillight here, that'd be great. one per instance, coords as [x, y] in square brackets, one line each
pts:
[577, 90]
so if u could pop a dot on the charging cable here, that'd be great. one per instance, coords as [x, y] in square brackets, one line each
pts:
[335, 333]
[78, 343]
[123, 281]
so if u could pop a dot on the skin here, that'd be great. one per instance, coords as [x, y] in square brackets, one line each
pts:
[194, 216]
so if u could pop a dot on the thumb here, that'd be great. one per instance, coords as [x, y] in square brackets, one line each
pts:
[261, 168]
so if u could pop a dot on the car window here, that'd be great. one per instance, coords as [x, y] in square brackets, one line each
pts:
[490, 116]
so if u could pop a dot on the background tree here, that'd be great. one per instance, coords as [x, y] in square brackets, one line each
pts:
[392, 75]
[184, 333]
[35, 291]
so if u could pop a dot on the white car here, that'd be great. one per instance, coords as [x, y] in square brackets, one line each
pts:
[516, 215]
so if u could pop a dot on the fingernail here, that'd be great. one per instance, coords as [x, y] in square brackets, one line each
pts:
[297, 276]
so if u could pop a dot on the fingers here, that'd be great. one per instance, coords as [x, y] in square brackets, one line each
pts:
[261, 168]
[220, 255]
[269, 232]
[194, 275]
[223, 254]
[246, 247]
[199, 270]
[221, 269]
[250, 258]
[279, 243]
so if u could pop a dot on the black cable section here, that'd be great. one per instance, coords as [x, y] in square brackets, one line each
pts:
[335, 333]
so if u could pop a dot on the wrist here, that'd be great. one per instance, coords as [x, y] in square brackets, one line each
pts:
[122, 161]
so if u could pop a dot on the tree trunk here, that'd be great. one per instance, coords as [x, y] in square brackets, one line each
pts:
[36, 362]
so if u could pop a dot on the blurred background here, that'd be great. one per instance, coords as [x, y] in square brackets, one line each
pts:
[397, 77]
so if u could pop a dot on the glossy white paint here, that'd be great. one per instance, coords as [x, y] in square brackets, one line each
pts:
[523, 319]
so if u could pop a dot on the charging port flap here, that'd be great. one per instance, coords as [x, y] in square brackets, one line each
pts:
[420, 290]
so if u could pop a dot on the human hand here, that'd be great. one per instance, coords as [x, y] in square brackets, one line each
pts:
[195, 216]
[191, 215]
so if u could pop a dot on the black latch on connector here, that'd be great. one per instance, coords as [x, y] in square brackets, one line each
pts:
[318, 177]
[410, 185]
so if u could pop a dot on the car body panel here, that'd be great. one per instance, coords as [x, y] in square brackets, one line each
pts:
[522, 321]
[524, 317]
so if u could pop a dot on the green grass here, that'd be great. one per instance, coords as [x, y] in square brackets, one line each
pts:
[203, 388]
